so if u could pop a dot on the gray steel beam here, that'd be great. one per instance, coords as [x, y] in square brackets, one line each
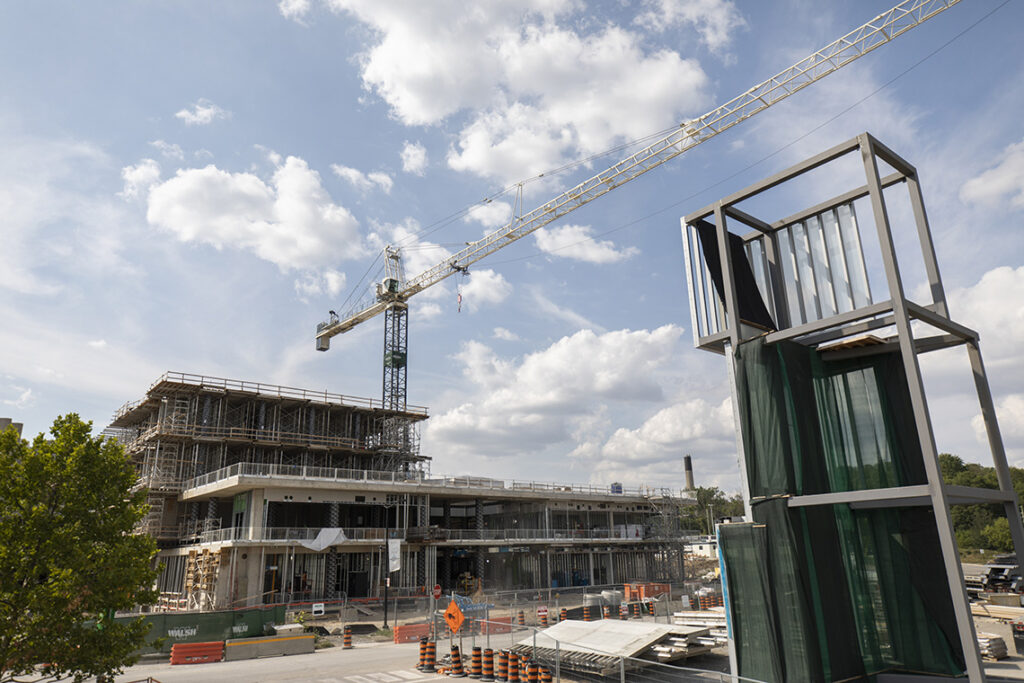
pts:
[995, 441]
[838, 200]
[779, 178]
[943, 323]
[732, 309]
[761, 228]
[931, 263]
[891, 344]
[887, 496]
[926, 436]
[833, 321]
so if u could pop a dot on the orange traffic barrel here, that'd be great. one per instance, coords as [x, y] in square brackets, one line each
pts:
[606, 612]
[545, 675]
[431, 657]
[513, 667]
[564, 614]
[503, 665]
[346, 642]
[476, 663]
[488, 674]
[533, 673]
[543, 619]
[522, 619]
[623, 610]
[456, 670]
[423, 653]
[586, 613]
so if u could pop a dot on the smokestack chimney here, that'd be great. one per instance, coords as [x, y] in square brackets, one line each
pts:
[688, 466]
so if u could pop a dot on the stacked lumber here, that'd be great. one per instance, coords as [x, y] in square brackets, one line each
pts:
[981, 609]
[683, 646]
[991, 646]
[714, 619]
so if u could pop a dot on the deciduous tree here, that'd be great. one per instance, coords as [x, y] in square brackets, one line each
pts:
[68, 557]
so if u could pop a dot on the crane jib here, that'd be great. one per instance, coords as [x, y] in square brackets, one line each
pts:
[855, 44]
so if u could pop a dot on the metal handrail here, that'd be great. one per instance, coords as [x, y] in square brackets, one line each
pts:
[263, 389]
[413, 477]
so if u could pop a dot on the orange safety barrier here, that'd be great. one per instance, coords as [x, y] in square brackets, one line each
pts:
[428, 664]
[410, 633]
[503, 666]
[456, 668]
[488, 674]
[476, 663]
[346, 639]
[197, 653]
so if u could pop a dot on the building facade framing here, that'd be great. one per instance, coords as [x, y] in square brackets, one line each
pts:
[261, 494]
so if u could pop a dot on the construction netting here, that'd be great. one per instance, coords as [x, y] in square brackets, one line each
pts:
[832, 592]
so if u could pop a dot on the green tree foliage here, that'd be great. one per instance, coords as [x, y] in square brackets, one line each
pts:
[68, 558]
[979, 526]
[712, 504]
[997, 534]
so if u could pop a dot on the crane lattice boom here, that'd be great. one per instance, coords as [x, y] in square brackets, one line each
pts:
[855, 44]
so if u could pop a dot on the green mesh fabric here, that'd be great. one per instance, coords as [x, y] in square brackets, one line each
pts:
[849, 593]
[750, 604]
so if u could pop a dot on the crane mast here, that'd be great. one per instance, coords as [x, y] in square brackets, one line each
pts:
[393, 293]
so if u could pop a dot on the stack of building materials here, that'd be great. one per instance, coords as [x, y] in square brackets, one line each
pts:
[599, 646]
[991, 646]
[713, 619]
[1002, 612]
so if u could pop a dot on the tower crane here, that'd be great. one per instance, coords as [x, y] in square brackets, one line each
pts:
[394, 291]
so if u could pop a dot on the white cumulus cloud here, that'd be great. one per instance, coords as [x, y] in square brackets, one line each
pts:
[364, 182]
[484, 288]
[202, 113]
[138, 178]
[1004, 180]
[295, 10]
[490, 214]
[414, 158]
[288, 219]
[523, 405]
[540, 87]
[715, 21]
[576, 242]
[169, 150]
[505, 334]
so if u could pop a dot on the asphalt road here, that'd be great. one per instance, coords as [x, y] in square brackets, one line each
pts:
[365, 663]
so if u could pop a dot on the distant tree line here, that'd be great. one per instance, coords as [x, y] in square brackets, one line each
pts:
[979, 526]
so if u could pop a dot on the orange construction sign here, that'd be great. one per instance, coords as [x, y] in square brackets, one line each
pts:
[453, 615]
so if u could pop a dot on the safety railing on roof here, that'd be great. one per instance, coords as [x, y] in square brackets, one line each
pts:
[224, 384]
[285, 534]
[415, 477]
[192, 431]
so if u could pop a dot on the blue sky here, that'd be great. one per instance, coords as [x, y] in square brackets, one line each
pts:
[192, 186]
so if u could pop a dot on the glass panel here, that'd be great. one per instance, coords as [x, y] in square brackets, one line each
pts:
[790, 278]
[840, 271]
[821, 267]
[807, 285]
[854, 256]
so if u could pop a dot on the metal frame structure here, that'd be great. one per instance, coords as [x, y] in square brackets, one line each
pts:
[897, 314]
[860, 41]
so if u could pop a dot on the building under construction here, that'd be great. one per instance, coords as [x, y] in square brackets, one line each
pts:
[262, 494]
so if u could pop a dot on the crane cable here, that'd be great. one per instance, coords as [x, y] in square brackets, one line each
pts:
[767, 156]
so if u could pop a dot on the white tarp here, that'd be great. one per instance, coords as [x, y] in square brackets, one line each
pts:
[394, 554]
[325, 539]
